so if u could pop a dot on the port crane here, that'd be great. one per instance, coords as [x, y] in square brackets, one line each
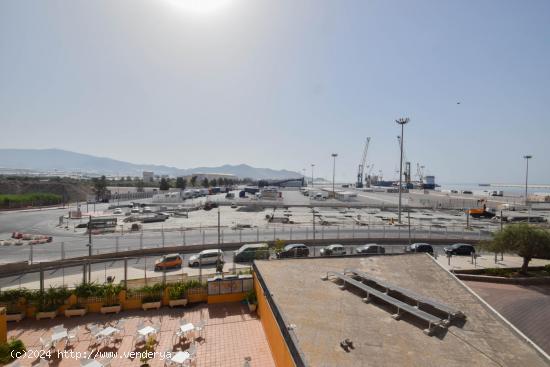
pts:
[361, 170]
[407, 170]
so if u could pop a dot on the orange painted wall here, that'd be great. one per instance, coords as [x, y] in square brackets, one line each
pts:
[232, 297]
[3, 326]
[279, 350]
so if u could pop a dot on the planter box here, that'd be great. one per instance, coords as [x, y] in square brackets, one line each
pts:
[177, 302]
[252, 306]
[75, 312]
[110, 309]
[151, 305]
[15, 317]
[46, 315]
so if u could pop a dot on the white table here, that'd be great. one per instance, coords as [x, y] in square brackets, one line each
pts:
[59, 335]
[147, 330]
[185, 328]
[180, 357]
[108, 331]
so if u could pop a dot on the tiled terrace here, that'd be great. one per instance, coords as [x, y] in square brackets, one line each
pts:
[231, 334]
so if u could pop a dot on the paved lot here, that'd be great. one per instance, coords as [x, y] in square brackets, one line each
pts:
[230, 335]
[526, 307]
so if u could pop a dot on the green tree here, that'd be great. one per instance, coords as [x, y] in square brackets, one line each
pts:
[205, 182]
[214, 182]
[181, 183]
[194, 181]
[524, 240]
[129, 178]
[164, 185]
[100, 187]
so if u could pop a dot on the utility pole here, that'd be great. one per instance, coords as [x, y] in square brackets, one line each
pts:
[313, 214]
[409, 215]
[90, 236]
[402, 122]
[312, 165]
[218, 226]
[334, 155]
[527, 157]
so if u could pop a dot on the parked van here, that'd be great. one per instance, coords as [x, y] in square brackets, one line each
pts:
[206, 257]
[248, 253]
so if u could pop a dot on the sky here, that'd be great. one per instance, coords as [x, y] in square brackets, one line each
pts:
[283, 84]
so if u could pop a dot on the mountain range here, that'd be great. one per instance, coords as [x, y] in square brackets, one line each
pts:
[52, 160]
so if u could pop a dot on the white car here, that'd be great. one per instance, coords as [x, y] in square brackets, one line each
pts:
[206, 257]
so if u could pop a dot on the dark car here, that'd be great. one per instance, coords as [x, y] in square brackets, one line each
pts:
[294, 250]
[420, 247]
[370, 248]
[460, 249]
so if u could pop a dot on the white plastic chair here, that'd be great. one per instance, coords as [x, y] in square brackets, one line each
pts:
[46, 343]
[106, 362]
[199, 327]
[192, 350]
[85, 361]
[167, 361]
[73, 335]
[57, 328]
[156, 327]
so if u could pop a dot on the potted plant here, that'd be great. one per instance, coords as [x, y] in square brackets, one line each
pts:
[152, 296]
[110, 303]
[13, 299]
[49, 301]
[148, 351]
[252, 300]
[76, 310]
[178, 295]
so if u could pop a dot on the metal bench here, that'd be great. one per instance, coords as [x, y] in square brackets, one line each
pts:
[433, 321]
[418, 298]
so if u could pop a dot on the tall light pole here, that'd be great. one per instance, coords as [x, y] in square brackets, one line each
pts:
[527, 157]
[304, 176]
[334, 155]
[312, 165]
[402, 122]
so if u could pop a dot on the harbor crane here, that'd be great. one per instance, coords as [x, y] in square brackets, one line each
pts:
[360, 172]
[407, 170]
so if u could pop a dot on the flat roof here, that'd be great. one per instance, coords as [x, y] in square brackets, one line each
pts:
[323, 315]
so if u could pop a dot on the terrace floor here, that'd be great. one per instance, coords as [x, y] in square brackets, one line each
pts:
[231, 334]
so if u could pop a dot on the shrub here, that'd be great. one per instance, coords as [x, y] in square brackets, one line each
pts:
[251, 297]
[12, 348]
[87, 290]
[179, 290]
[547, 268]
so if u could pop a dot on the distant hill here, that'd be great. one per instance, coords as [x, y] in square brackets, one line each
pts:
[51, 160]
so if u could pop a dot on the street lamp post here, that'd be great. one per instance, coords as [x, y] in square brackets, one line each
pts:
[402, 122]
[527, 157]
[312, 165]
[334, 155]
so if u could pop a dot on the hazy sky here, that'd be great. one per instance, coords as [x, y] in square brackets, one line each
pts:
[283, 83]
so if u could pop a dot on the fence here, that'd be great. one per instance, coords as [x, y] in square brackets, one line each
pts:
[72, 247]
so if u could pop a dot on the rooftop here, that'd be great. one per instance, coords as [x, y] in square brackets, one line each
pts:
[323, 315]
[231, 334]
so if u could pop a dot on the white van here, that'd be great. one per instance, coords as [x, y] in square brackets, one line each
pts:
[206, 257]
